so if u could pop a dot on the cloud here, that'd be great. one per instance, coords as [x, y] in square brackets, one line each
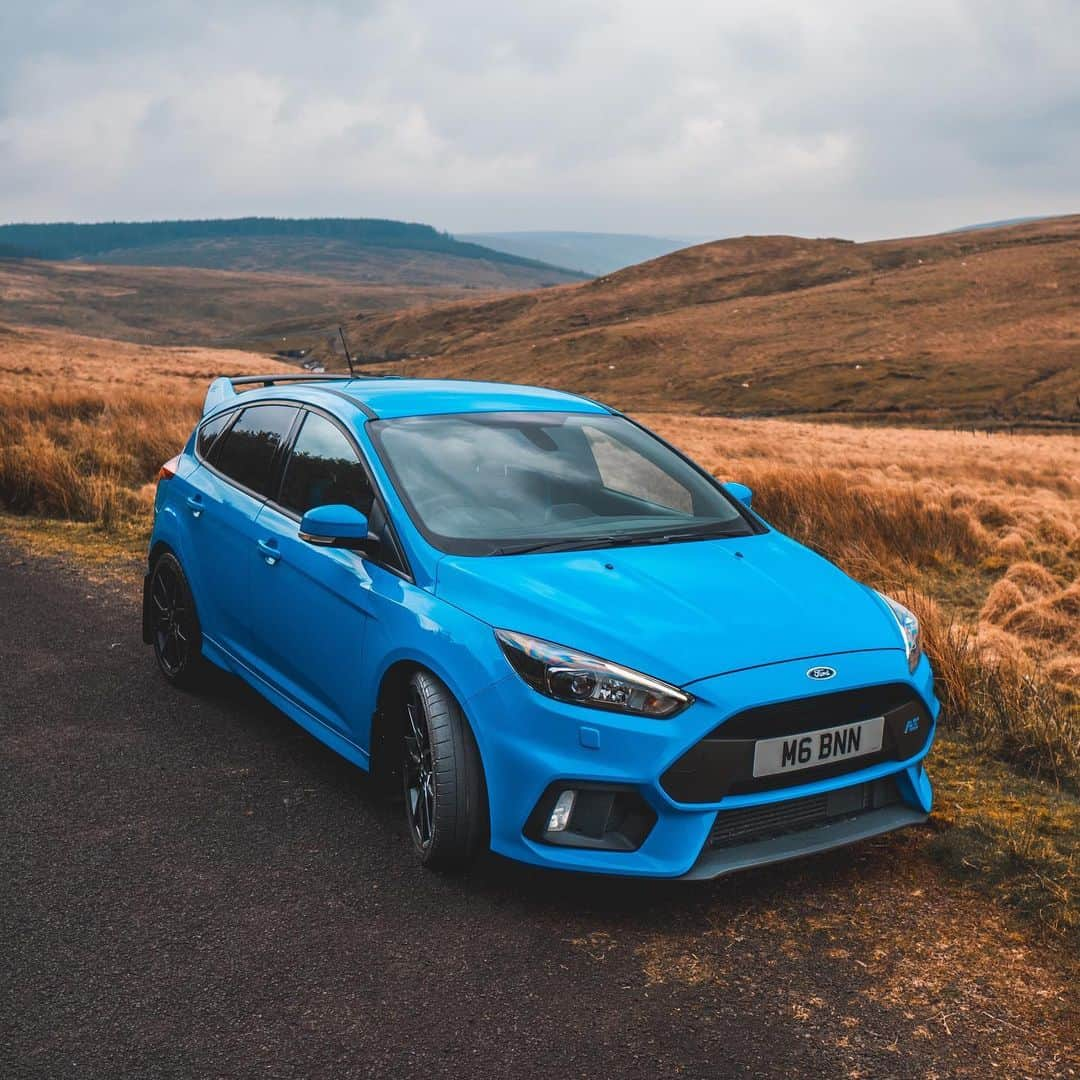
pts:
[846, 118]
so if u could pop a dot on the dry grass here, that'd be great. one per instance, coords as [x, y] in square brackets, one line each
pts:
[86, 423]
[85, 456]
[1009, 705]
[1009, 835]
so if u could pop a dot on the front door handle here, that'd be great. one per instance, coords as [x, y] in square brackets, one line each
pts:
[196, 504]
[270, 552]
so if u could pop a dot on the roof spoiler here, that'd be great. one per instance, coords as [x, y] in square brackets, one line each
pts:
[224, 388]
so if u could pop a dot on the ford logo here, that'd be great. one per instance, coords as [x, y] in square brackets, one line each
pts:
[821, 673]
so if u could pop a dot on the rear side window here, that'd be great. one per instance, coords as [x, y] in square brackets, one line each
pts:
[209, 432]
[323, 469]
[246, 452]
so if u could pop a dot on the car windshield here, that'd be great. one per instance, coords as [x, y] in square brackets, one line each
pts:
[508, 483]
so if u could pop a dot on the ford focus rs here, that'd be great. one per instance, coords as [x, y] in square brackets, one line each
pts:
[562, 639]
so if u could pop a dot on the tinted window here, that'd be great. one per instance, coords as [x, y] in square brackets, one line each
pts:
[496, 482]
[246, 452]
[210, 431]
[323, 469]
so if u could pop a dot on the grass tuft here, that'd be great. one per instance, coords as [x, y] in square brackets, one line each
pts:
[85, 456]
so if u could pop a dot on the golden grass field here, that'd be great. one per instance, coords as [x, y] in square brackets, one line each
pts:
[85, 423]
[980, 533]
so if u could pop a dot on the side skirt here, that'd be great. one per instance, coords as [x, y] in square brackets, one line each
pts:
[337, 742]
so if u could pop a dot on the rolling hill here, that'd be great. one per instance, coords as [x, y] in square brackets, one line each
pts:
[258, 283]
[186, 306]
[980, 326]
[353, 249]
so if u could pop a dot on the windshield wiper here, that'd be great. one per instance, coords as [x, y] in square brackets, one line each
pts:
[705, 532]
[583, 543]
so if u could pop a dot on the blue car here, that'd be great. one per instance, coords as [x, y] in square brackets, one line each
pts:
[565, 641]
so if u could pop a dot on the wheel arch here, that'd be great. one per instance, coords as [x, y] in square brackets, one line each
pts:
[385, 768]
[157, 549]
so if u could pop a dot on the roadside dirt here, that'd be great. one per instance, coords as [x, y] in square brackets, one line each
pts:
[194, 886]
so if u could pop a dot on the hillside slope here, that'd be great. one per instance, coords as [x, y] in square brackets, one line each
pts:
[358, 249]
[958, 327]
[185, 306]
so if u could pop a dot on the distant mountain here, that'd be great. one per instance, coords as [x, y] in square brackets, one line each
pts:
[1003, 224]
[593, 253]
[959, 327]
[359, 249]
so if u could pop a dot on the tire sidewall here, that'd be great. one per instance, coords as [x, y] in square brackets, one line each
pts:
[187, 674]
[460, 818]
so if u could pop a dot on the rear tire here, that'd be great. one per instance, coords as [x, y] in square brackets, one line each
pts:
[445, 798]
[174, 625]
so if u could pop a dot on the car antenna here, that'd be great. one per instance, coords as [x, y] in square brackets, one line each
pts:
[348, 355]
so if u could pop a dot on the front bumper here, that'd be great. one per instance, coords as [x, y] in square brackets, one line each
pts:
[530, 743]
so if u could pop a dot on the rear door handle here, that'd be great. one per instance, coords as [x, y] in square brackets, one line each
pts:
[270, 552]
[196, 504]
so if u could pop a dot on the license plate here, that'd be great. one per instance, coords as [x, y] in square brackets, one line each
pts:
[792, 752]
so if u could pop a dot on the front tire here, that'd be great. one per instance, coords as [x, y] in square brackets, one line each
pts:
[445, 798]
[174, 625]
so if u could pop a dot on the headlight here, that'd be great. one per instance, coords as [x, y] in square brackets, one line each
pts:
[909, 630]
[567, 675]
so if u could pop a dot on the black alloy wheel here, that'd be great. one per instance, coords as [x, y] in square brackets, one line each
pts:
[419, 778]
[175, 625]
[445, 797]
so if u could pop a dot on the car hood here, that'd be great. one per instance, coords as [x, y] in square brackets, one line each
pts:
[680, 611]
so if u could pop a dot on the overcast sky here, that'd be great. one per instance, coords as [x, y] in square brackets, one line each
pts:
[709, 118]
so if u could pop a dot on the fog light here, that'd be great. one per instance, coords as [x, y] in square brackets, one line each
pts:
[560, 814]
[604, 817]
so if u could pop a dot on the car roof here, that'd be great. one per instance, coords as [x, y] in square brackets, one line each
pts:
[390, 398]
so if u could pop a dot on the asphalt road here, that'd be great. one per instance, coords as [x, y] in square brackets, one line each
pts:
[191, 886]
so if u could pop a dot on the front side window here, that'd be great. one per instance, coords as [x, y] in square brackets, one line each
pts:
[503, 483]
[323, 469]
[245, 453]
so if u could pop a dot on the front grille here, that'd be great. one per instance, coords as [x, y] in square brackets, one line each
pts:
[722, 763]
[812, 713]
[755, 823]
[760, 822]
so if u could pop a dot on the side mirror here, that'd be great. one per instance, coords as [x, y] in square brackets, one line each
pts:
[740, 492]
[338, 526]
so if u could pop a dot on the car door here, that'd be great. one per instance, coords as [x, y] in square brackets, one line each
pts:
[226, 495]
[311, 605]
